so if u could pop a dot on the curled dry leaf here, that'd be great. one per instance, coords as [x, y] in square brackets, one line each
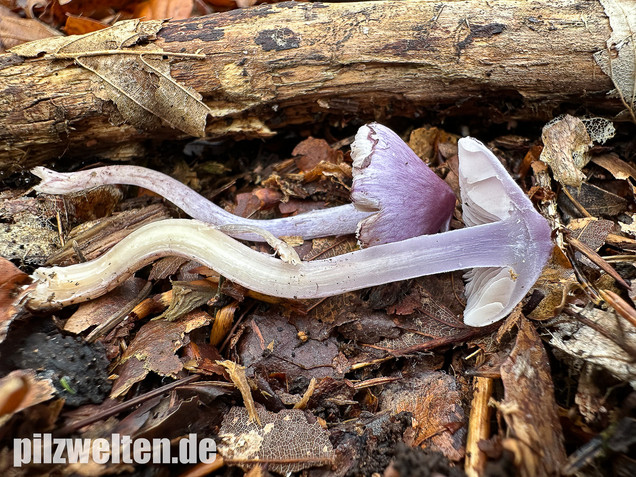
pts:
[566, 143]
[101, 309]
[21, 389]
[11, 279]
[15, 30]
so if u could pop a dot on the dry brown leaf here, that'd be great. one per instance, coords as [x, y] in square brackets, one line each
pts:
[425, 142]
[595, 200]
[160, 9]
[271, 342]
[430, 315]
[153, 349]
[616, 166]
[286, 437]
[80, 25]
[21, 389]
[313, 151]
[435, 401]
[529, 407]
[11, 279]
[554, 285]
[618, 60]
[136, 78]
[15, 30]
[566, 143]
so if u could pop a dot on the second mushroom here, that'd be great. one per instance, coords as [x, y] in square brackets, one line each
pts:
[504, 245]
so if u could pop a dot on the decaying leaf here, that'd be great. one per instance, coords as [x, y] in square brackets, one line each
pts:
[15, 30]
[590, 345]
[529, 407]
[552, 288]
[153, 349]
[186, 296]
[21, 389]
[11, 279]
[135, 77]
[286, 439]
[271, 342]
[159, 9]
[312, 152]
[425, 142]
[566, 143]
[595, 200]
[435, 401]
[618, 61]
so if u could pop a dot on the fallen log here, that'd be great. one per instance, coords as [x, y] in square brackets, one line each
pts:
[293, 63]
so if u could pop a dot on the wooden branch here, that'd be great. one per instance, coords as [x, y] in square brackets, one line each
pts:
[291, 63]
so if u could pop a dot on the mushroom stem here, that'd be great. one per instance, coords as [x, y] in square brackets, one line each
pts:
[340, 220]
[414, 257]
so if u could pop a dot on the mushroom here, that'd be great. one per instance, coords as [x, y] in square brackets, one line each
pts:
[391, 184]
[506, 244]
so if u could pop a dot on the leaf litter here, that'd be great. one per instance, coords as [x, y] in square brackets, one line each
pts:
[134, 76]
[374, 368]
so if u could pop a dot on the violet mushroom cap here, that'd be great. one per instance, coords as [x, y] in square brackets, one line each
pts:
[395, 195]
[507, 244]
[408, 199]
[489, 195]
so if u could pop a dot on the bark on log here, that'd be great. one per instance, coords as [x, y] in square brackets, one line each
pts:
[289, 63]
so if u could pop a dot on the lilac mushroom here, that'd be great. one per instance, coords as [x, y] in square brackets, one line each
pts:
[391, 185]
[505, 245]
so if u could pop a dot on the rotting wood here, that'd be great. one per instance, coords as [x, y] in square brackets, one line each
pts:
[292, 63]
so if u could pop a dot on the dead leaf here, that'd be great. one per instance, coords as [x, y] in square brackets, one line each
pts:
[21, 389]
[426, 321]
[312, 152]
[618, 60]
[529, 407]
[286, 440]
[11, 281]
[586, 343]
[15, 30]
[80, 25]
[596, 201]
[134, 76]
[435, 401]
[160, 9]
[271, 342]
[616, 166]
[186, 296]
[153, 349]
[425, 142]
[566, 143]
[552, 288]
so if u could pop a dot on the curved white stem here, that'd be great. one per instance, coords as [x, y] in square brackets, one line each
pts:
[340, 220]
[418, 256]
